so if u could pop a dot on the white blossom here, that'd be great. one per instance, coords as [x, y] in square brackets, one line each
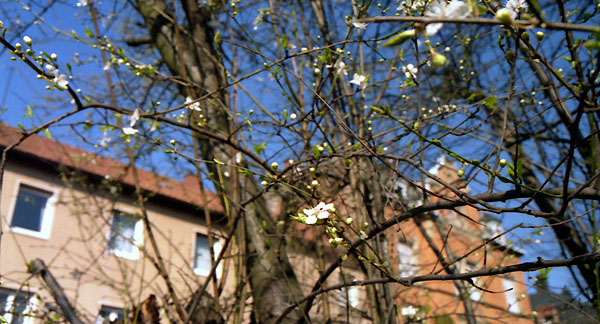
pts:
[82, 3]
[60, 79]
[134, 118]
[129, 131]
[339, 66]
[409, 311]
[514, 6]
[105, 140]
[321, 211]
[410, 71]
[192, 106]
[359, 25]
[455, 9]
[360, 80]
[362, 235]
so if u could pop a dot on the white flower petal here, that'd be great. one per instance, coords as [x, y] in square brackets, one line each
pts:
[359, 25]
[323, 215]
[134, 118]
[130, 131]
[309, 212]
[457, 9]
[432, 29]
[310, 220]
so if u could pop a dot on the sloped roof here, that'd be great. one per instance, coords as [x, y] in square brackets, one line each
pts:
[47, 150]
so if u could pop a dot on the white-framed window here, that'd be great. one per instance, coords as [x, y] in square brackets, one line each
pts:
[349, 295]
[202, 264]
[125, 235]
[511, 296]
[474, 293]
[352, 297]
[109, 314]
[493, 228]
[33, 211]
[16, 308]
[406, 262]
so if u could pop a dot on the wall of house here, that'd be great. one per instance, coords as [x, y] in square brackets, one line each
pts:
[455, 234]
[76, 245]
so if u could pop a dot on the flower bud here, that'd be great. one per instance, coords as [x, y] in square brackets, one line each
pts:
[460, 173]
[539, 35]
[18, 46]
[510, 55]
[264, 183]
[27, 40]
[503, 163]
[438, 60]
[504, 16]
[525, 36]
[53, 56]
[274, 165]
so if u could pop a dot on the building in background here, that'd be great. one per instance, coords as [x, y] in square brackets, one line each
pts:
[466, 240]
[77, 212]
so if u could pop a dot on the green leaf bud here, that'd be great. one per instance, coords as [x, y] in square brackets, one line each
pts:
[401, 38]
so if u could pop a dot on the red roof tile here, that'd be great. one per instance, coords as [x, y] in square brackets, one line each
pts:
[70, 156]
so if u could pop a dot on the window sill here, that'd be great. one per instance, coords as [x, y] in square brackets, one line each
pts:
[133, 256]
[28, 232]
[201, 272]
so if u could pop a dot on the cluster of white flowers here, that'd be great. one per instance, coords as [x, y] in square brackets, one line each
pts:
[318, 213]
[409, 7]
[455, 9]
[515, 6]
[409, 311]
[59, 79]
[192, 106]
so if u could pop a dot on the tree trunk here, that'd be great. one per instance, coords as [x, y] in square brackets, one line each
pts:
[194, 58]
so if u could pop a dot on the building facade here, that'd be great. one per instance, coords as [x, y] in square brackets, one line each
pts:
[78, 213]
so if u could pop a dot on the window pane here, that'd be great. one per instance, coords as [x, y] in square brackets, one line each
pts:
[12, 307]
[406, 266]
[29, 209]
[511, 296]
[202, 255]
[18, 309]
[109, 315]
[122, 233]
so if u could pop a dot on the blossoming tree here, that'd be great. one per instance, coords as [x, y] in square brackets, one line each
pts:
[256, 97]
